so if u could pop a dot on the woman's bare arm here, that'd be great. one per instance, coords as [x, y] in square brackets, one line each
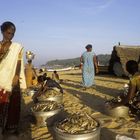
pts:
[131, 91]
[96, 64]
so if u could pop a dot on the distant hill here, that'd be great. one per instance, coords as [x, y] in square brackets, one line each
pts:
[102, 58]
[63, 63]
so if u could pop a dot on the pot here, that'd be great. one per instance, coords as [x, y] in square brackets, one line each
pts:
[92, 135]
[120, 111]
[29, 55]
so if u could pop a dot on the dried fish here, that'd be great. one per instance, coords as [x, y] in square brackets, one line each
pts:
[50, 93]
[77, 124]
[44, 107]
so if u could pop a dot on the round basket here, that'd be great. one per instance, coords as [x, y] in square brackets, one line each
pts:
[92, 135]
[120, 111]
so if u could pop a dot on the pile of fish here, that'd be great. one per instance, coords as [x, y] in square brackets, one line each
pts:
[77, 124]
[50, 93]
[44, 107]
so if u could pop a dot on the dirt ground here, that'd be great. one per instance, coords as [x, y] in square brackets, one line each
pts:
[75, 99]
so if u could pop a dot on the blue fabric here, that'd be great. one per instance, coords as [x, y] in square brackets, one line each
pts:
[88, 69]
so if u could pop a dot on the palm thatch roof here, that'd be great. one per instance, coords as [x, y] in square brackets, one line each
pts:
[120, 55]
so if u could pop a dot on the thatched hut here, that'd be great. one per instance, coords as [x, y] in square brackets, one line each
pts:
[120, 55]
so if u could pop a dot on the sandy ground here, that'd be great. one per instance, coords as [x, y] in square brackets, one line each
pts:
[75, 100]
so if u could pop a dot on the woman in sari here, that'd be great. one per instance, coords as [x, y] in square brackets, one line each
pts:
[30, 75]
[12, 79]
[88, 61]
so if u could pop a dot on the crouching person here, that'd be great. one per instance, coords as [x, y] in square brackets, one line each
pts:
[132, 98]
[45, 85]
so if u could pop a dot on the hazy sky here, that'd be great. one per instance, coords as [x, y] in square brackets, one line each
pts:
[59, 29]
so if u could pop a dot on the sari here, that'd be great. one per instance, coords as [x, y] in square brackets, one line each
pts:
[10, 96]
[29, 75]
[88, 69]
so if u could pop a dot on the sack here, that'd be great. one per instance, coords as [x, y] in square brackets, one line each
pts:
[4, 96]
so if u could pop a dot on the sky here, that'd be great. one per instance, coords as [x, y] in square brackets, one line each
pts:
[60, 29]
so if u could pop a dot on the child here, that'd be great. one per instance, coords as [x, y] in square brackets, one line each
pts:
[55, 76]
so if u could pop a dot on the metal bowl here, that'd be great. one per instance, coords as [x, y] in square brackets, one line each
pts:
[30, 57]
[93, 135]
[57, 99]
[42, 117]
[120, 111]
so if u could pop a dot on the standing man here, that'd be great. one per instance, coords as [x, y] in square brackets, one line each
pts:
[88, 61]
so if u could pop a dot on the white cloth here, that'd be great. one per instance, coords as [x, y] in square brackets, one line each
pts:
[119, 137]
[8, 67]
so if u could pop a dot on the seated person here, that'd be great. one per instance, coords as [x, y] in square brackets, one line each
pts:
[131, 99]
[40, 71]
[55, 76]
[45, 84]
[45, 76]
[134, 84]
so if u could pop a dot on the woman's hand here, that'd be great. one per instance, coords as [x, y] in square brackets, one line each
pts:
[97, 70]
[81, 65]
